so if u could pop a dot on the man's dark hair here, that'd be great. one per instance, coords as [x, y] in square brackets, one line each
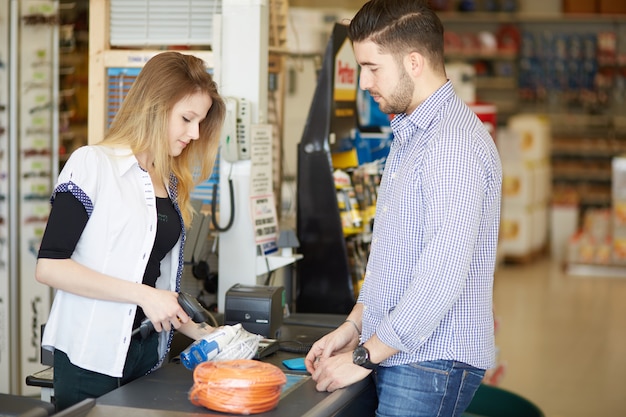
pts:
[400, 27]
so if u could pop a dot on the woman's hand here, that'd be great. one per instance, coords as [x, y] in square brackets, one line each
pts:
[162, 309]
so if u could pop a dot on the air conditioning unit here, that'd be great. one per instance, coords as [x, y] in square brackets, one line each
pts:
[162, 22]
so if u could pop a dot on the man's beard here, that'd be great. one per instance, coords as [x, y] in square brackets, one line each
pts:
[400, 100]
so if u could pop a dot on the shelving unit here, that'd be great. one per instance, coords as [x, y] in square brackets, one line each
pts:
[29, 91]
[585, 136]
[582, 151]
[73, 62]
[502, 91]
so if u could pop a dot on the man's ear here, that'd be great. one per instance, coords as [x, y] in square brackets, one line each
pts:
[414, 63]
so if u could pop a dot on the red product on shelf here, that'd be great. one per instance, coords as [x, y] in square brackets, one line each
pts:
[509, 39]
[487, 113]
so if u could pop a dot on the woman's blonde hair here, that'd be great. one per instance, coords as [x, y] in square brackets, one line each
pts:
[142, 120]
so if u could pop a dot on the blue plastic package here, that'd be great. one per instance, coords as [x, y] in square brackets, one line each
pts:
[295, 364]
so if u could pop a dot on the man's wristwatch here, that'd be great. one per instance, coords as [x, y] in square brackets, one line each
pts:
[361, 357]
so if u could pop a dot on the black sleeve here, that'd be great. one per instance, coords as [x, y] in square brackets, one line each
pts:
[66, 222]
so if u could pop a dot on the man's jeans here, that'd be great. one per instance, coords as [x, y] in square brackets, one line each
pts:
[426, 389]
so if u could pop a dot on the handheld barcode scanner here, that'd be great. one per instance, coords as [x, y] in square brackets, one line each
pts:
[191, 306]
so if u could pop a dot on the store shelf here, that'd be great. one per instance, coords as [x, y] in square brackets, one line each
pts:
[581, 175]
[489, 56]
[496, 83]
[553, 18]
[590, 152]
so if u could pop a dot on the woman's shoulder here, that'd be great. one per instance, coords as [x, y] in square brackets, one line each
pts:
[88, 160]
[86, 151]
[94, 153]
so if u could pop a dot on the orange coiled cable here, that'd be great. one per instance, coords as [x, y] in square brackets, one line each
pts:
[242, 386]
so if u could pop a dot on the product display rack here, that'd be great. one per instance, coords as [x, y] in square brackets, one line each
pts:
[503, 90]
[29, 91]
[583, 148]
[73, 75]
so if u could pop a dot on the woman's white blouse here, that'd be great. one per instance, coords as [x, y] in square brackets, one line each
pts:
[117, 241]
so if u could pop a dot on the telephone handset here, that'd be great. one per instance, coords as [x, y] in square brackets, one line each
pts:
[234, 146]
[229, 149]
[235, 139]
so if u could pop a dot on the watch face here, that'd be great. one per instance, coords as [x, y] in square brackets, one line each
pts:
[360, 355]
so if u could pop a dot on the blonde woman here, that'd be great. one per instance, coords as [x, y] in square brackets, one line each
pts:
[114, 240]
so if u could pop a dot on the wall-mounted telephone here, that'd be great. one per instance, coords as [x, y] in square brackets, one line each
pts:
[235, 139]
[234, 146]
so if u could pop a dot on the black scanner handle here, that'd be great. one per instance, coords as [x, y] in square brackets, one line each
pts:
[193, 308]
[188, 303]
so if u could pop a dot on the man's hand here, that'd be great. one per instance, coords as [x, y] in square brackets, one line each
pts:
[336, 372]
[339, 340]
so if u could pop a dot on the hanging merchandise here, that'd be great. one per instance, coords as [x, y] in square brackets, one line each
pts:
[349, 209]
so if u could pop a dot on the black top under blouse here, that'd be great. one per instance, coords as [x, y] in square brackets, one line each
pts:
[68, 219]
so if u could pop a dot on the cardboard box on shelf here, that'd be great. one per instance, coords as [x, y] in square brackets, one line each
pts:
[580, 6]
[526, 183]
[540, 6]
[612, 6]
[523, 229]
[534, 136]
[517, 183]
[515, 231]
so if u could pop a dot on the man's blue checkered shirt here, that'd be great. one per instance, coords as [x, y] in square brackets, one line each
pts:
[429, 281]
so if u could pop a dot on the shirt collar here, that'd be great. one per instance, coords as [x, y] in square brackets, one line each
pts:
[124, 158]
[404, 125]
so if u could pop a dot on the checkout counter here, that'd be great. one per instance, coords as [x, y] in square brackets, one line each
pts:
[164, 393]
